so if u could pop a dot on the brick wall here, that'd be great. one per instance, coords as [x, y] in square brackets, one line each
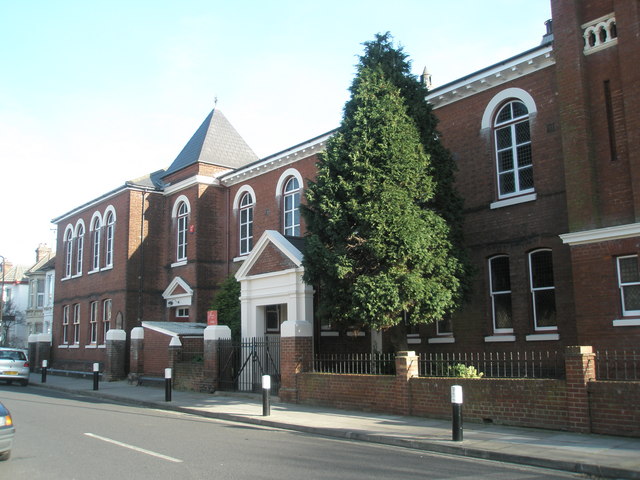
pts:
[156, 353]
[369, 393]
[267, 214]
[517, 402]
[579, 403]
[595, 276]
[271, 260]
[513, 230]
[525, 403]
[191, 376]
[615, 408]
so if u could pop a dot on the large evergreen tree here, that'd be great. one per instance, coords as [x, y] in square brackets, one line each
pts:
[381, 53]
[378, 247]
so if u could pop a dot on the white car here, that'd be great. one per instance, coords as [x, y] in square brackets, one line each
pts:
[14, 365]
[7, 431]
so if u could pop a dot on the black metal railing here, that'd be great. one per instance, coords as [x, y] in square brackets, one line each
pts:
[355, 363]
[617, 365]
[243, 363]
[535, 364]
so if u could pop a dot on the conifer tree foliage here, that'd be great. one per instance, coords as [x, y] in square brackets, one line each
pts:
[227, 303]
[377, 246]
[381, 53]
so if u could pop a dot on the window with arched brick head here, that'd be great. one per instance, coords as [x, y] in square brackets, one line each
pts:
[514, 160]
[68, 252]
[183, 216]
[110, 226]
[79, 248]
[95, 229]
[291, 207]
[246, 223]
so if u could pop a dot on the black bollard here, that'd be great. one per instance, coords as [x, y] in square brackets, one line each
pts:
[96, 375]
[45, 364]
[266, 395]
[456, 402]
[167, 384]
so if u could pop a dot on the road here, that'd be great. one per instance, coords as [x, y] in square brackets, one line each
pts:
[62, 436]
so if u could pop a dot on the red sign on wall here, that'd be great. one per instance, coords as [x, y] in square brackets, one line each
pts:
[212, 317]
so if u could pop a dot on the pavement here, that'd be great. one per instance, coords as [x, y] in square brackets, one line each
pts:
[598, 456]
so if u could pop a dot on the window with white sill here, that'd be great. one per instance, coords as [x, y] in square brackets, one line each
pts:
[629, 284]
[543, 291]
[514, 159]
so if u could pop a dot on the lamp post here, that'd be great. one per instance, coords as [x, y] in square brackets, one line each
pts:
[2, 299]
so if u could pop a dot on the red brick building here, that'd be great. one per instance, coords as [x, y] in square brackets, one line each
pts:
[548, 155]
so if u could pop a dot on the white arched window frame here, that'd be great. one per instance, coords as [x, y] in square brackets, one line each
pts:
[514, 161]
[290, 189]
[520, 191]
[181, 211]
[68, 251]
[292, 207]
[96, 234]
[79, 246]
[246, 223]
[243, 209]
[110, 229]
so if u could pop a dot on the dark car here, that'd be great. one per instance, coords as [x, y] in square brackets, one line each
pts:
[7, 431]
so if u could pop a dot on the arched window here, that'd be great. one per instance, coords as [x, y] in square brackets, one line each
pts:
[513, 150]
[95, 243]
[110, 225]
[68, 252]
[292, 207]
[183, 217]
[543, 290]
[79, 247]
[246, 224]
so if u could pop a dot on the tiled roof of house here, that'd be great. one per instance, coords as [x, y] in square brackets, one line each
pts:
[216, 142]
[16, 274]
[46, 260]
[44, 265]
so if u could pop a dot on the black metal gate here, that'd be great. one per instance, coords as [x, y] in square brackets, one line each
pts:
[243, 363]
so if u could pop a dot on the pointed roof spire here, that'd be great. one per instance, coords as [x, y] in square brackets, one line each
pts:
[216, 142]
[425, 78]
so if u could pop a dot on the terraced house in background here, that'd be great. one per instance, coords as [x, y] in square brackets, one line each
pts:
[548, 155]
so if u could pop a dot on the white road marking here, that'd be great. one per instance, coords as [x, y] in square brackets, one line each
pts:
[132, 447]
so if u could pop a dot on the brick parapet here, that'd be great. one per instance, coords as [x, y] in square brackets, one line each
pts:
[296, 356]
[580, 366]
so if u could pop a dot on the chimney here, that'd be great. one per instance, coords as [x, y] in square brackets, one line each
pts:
[548, 37]
[6, 266]
[43, 252]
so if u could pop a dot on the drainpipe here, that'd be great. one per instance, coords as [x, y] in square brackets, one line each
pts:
[2, 295]
[141, 267]
[228, 214]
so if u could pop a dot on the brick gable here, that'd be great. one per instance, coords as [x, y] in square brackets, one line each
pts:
[271, 260]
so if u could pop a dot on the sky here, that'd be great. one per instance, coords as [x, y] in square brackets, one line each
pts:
[95, 93]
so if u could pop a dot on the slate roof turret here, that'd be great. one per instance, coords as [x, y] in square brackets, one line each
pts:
[216, 142]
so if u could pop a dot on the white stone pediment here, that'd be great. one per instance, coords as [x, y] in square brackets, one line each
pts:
[268, 238]
[178, 293]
